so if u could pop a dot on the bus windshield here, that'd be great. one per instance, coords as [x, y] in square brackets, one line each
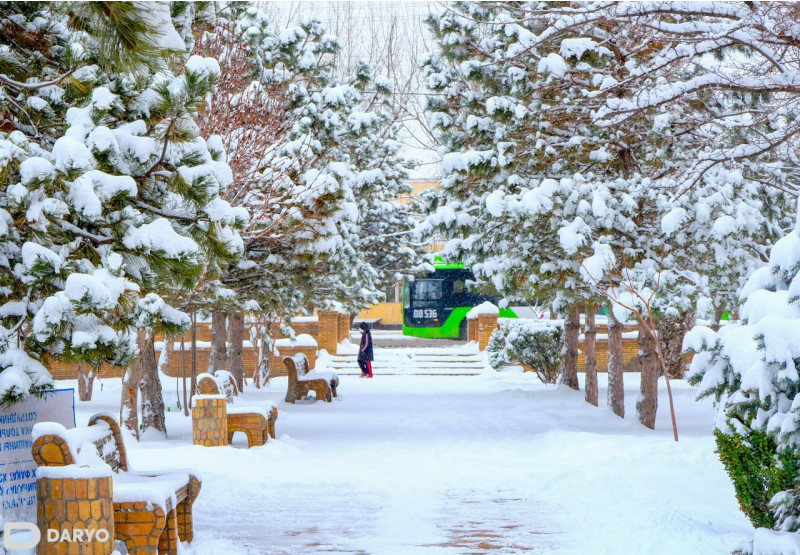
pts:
[427, 289]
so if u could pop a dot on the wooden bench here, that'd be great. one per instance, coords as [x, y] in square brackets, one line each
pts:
[256, 423]
[152, 511]
[302, 380]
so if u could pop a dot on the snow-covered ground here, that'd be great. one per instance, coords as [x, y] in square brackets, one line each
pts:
[454, 464]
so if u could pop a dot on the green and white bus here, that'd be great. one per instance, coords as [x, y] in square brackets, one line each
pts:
[436, 305]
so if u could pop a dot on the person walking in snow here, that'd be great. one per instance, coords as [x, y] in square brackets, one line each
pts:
[365, 356]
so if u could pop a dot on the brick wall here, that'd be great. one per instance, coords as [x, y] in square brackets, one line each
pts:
[311, 328]
[630, 355]
[344, 326]
[174, 368]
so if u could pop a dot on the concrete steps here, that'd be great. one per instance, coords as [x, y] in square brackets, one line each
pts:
[436, 362]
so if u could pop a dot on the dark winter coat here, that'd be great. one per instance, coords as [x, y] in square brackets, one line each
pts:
[365, 349]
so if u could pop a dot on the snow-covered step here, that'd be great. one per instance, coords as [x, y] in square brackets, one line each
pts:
[410, 371]
[402, 364]
[406, 360]
[409, 360]
[461, 360]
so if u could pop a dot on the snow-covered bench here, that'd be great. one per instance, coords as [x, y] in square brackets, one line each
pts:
[227, 385]
[257, 423]
[302, 380]
[152, 511]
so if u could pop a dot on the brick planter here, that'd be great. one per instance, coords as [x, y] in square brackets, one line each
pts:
[209, 420]
[80, 499]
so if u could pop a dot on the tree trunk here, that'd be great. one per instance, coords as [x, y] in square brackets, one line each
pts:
[219, 352]
[569, 367]
[235, 353]
[616, 391]
[671, 332]
[85, 381]
[590, 359]
[193, 382]
[183, 375]
[153, 409]
[647, 405]
[717, 318]
[256, 339]
[129, 403]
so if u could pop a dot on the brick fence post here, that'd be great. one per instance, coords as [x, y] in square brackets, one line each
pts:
[472, 329]
[344, 320]
[487, 323]
[328, 330]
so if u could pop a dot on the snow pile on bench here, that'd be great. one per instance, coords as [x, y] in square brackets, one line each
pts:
[135, 487]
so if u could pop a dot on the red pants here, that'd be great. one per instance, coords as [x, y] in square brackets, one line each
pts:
[366, 367]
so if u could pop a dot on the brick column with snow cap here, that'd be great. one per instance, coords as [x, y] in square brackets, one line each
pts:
[328, 330]
[485, 314]
[344, 326]
[209, 420]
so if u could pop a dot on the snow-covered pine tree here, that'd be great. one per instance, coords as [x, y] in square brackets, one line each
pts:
[51, 291]
[513, 129]
[300, 145]
[119, 199]
[288, 169]
[750, 369]
[616, 185]
[378, 174]
[729, 114]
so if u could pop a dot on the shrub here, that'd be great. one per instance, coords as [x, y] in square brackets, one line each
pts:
[758, 472]
[750, 369]
[532, 343]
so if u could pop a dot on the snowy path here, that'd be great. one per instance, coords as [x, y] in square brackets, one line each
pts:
[470, 464]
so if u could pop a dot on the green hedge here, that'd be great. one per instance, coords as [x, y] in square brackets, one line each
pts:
[758, 471]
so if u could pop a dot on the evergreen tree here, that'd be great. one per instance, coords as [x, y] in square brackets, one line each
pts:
[385, 223]
[750, 369]
[314, 164]
[117, 199]
[539, 177]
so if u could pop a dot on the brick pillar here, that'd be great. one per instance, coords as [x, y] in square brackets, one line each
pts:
[328, 333]
[344, 326]
[472, 329]
[210, 421]
[74, 504]
[487, 323]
